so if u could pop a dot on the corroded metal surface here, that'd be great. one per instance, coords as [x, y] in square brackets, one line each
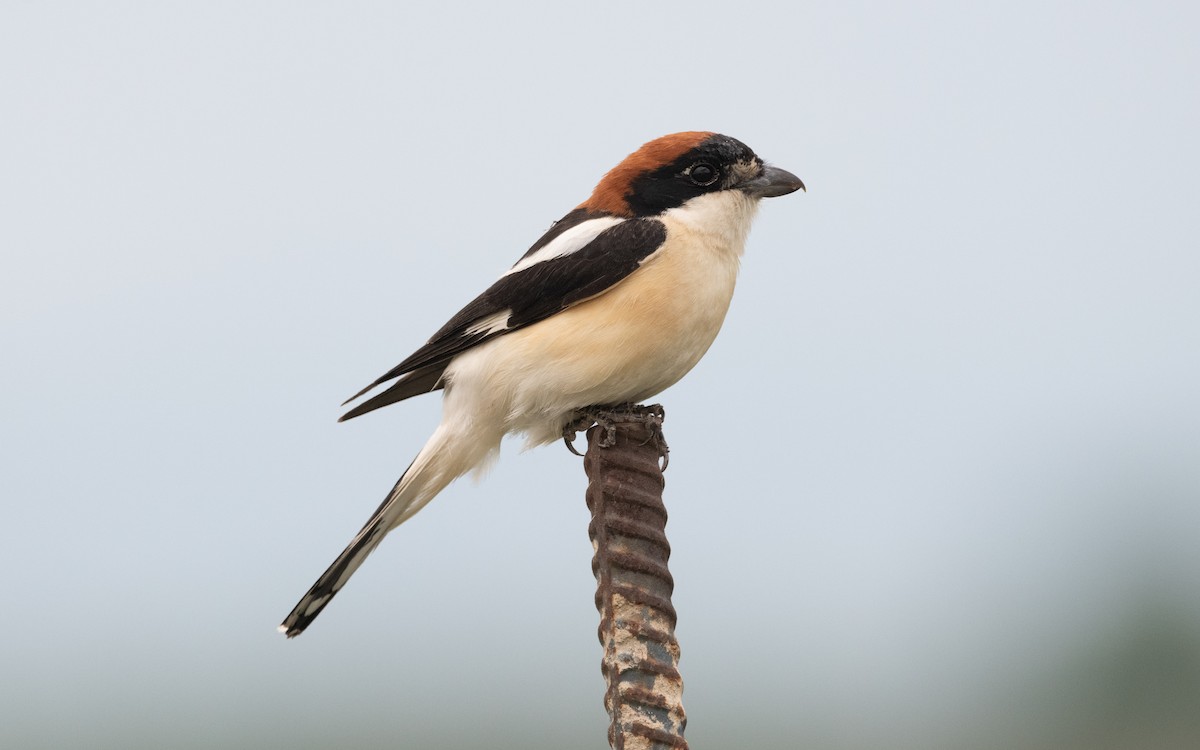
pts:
[633, 596]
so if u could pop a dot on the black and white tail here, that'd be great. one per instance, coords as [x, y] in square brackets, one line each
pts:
[336, 575]
[447, 456]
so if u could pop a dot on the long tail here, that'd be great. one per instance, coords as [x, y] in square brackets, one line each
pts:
[448, 455]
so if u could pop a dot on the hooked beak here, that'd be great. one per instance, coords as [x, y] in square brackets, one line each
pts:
[771, 183]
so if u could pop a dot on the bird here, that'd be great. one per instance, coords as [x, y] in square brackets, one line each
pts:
[617, 301]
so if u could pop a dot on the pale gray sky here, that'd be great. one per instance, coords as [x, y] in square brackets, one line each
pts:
[947, 446]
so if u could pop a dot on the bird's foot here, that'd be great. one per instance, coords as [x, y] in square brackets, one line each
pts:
[607, 418]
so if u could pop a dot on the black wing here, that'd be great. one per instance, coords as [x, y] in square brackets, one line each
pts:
[528, 296]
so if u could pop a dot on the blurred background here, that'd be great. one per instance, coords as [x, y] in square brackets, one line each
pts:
[937, 485]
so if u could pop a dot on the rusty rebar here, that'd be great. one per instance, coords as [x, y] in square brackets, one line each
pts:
[633, 595]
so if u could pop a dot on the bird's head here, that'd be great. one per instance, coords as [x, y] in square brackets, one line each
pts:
[669, 171]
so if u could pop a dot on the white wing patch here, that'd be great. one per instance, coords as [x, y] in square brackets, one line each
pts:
[491, 324]
[570, 241]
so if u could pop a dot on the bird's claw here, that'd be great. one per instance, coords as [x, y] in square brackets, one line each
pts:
[580, 421]
[572, 429]
[607, 417]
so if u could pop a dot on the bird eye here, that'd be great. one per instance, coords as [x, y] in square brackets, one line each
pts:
[703, 174]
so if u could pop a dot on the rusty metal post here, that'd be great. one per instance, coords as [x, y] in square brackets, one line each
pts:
[633, 595]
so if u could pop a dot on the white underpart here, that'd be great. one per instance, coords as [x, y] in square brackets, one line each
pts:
[491, 324]
[626, 344]
[570, 241]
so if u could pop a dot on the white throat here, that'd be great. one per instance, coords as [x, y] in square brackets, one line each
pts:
[724, 216]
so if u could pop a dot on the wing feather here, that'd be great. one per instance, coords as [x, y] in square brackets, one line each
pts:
[531, 294]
